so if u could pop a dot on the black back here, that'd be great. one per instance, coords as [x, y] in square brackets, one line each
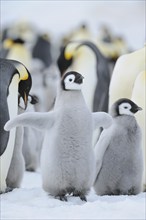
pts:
[7, 71]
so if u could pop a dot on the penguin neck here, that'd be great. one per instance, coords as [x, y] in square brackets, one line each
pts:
[69, 98]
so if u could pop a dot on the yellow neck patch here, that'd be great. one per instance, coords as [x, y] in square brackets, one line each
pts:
[8, 43]
[22, 71]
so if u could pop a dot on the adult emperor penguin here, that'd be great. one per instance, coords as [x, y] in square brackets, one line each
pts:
[17, 50]
[85, 57]
[119, 165]
[139, 96]
[126, 70]
[15, 79]
[67, 160]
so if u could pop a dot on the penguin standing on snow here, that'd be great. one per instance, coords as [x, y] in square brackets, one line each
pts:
[67, 159]
[15, 79]
[118, 152]
[85, 57]
[17, 166]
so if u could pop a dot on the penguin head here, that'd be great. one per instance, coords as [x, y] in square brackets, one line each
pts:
[24, 88]
[66, 56]
[9, 43]
[72, 81]
[124, 106]
[62, 62]
[25, 80]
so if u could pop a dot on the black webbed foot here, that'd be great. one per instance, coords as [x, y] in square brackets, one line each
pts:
[61, 197]
[8, 189]
[80, 194]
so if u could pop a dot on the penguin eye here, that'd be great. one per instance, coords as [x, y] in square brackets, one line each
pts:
[125, 107]
[70, 78]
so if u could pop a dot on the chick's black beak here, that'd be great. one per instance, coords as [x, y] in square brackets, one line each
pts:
[136, 109]
[139, 108]
[79, 79]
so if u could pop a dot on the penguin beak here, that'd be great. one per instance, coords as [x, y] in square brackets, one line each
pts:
[79, 79]
[136, 109]
[25, 99]
[139, 108]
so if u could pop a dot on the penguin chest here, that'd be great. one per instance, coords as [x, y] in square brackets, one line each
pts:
[86, 64]
[74, 132]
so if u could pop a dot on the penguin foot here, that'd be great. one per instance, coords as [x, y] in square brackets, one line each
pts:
[8, 189]
[61, 197]
[80, 194]
[30, 169]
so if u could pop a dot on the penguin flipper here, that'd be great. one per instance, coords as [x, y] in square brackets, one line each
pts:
[99, 150]
[37, 120]
[101, 119]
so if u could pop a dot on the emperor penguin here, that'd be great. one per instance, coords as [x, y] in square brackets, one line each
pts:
[139, 96]
[42, 50]
[126, 70]
[67, 158]
[15, 79]
[85, 57]
[119, 165]
[17, 50]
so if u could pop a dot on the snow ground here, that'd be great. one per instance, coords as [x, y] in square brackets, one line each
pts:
[31, 202]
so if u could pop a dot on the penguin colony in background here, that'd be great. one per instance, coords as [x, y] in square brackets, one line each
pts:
[119, 153]
[15, 80]
[67, 160]
[84, 56]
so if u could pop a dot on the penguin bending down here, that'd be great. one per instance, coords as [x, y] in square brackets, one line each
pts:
[67, 159]
[15, 79]
[85, 57]
[119, 165]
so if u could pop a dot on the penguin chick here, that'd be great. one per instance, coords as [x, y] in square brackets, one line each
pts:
[32, 141]
[17, 166]
[118, 153]
[67, 159]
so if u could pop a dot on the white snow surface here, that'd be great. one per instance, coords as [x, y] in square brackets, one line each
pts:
[31, 202]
